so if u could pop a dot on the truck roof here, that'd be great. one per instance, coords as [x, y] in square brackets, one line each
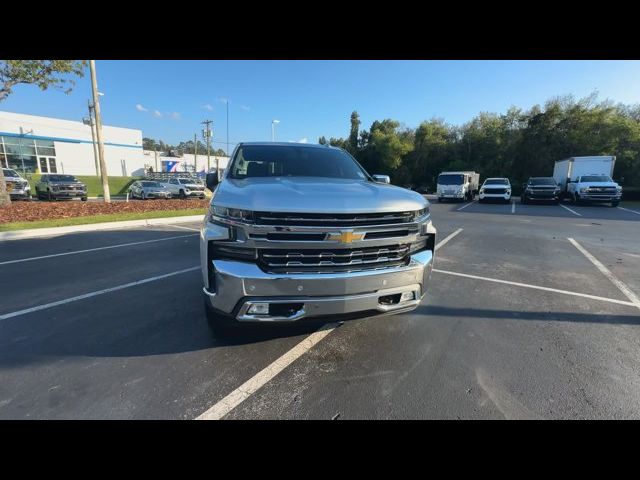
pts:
[289, 144]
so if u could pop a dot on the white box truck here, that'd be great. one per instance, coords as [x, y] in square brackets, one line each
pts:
[457, 185]
[588, 179]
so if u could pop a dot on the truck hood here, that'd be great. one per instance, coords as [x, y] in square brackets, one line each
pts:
[315, 195]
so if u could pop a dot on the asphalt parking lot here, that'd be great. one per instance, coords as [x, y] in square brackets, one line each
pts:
[532, 312]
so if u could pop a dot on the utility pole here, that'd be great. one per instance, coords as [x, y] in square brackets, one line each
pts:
[195, 157]
[227, 128]
[207, 135]
[93, 136]
[96, 109]
[155, 149]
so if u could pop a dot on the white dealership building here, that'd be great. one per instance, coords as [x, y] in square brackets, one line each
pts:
[34, 144]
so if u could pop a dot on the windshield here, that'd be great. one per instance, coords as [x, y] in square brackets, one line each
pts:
[451, 179]
[596, 178]
[62, 178]
[188, 181]
[496, 181]
[542, 181]
[151, 184]
[294, 161]
[9, 172]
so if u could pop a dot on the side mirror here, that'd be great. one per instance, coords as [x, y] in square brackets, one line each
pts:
[381, 178]
[212, 180]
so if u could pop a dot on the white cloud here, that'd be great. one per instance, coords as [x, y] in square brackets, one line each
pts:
[303, 140]
[207, 106]
[245, 108]
[157, 113]
[176, 116]
[141, 108]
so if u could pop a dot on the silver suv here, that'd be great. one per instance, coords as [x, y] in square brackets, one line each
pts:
[185, 187]
[17, 187]
[298, 231]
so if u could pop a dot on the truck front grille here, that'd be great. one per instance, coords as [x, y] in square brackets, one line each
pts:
[602, 190]
[495, 191]
[332, 260]
[332, 219]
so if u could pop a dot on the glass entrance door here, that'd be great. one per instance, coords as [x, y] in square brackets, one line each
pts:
[47, 165]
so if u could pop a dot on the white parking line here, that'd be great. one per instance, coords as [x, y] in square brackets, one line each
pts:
[444, 241]
[465, 206]
[248, 388]
[94, 294]
[537, 287]
[75, 252]
[628, 210]
[185, 228]
[572, 211]
[607, 273]
[513, 207]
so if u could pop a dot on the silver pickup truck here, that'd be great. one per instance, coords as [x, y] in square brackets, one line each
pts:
[299, 230]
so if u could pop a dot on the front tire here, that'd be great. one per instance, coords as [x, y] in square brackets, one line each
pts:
[50, 197]
[84, 199]
[182, 195]
[523, 199]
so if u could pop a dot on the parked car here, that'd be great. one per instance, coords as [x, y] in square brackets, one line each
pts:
[540, 189]
[461, 186]
[17, 187]
[588, 179]
[185, 187]
[495, 189]
[302, 230]
[57, 186]
[421, 189]
[144, 189]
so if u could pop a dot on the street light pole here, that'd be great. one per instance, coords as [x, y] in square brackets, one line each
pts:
[96, 109]
[273, 129]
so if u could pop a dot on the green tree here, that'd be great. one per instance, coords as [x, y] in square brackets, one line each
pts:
[43, 73]
[353, 135]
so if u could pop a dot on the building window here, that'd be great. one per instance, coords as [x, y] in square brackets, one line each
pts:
[21, 153]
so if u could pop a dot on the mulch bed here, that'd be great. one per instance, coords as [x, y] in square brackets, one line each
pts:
[21, 211]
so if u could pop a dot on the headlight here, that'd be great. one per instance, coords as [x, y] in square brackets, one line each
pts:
[225, 214]
[583, 190]
[528, 190]
[418, 214]
[619, 189]
[482, 190]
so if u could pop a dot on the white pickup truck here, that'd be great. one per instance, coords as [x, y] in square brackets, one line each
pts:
[588, 179]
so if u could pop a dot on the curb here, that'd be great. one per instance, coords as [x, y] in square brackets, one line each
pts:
[92, 227]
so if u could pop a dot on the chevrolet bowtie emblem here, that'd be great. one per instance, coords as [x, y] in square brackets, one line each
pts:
[346, 236]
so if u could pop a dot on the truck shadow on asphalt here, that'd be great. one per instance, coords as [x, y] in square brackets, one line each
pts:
[491, 314]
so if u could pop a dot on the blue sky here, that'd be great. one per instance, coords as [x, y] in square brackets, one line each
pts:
[168, 99]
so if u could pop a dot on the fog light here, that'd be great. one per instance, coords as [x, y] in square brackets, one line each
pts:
[406, 296]
[259, 309]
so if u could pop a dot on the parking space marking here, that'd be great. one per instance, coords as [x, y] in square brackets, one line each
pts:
[537, 287]
[513, 207]
[628, 210]
[75, 252]
[607, 273]
[248, 388]
[465, 206]
[572, 211]
[94, 294]
[444, 241]
[186, 228]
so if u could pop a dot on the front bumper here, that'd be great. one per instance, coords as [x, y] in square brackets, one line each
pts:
[451, 195]
[599, 197]
[20, 193]
[152, 194]
[69, 193]
[231, 286]
[195, 193]
[239, 284]
[494, 196]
